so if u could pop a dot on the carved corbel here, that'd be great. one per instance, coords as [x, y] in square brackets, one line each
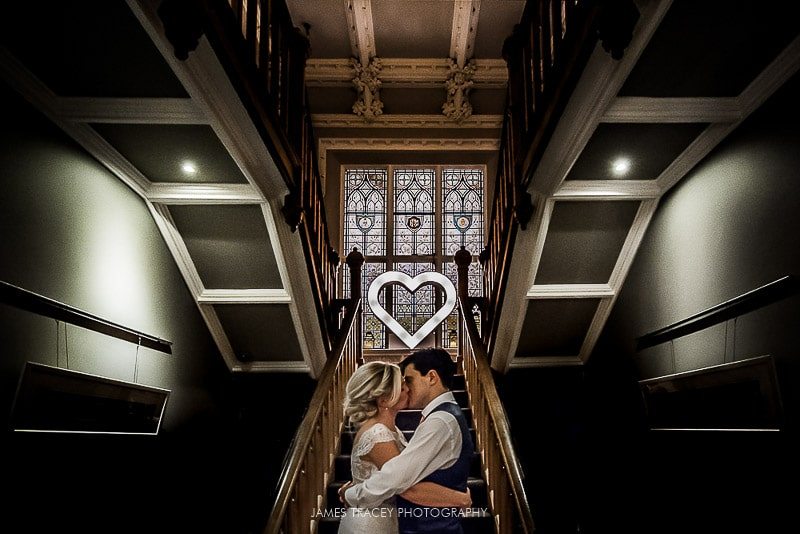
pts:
[458, 85]
[368, 84]
[183, 25]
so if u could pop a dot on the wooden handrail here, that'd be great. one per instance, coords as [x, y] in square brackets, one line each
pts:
[498, 459]
[504, 475]
[309, 461]
[774, 291]
[41, 305]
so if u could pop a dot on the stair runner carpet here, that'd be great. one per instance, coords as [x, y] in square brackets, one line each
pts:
[477, 521]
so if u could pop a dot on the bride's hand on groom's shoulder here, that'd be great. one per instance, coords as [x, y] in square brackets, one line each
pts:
[342, 490]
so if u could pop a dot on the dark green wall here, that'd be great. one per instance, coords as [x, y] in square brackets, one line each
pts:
[730, 226]
[73, 232]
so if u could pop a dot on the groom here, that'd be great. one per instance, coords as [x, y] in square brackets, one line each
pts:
[439, 450]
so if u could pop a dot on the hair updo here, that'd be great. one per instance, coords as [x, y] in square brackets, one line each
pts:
[368, 383]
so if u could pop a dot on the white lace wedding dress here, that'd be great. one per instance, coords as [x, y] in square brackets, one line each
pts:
[382, 519]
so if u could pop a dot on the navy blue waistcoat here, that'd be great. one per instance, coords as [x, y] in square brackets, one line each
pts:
[413, 518]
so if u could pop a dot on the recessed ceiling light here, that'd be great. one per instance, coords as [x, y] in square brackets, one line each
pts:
[188, 167]
[621, 166]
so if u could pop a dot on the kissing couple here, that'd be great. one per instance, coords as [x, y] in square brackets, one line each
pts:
[398, 486]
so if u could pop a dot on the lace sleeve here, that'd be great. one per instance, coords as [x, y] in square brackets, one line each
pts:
[377, 433]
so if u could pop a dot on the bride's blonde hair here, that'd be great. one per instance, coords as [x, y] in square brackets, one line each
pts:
[368, 383]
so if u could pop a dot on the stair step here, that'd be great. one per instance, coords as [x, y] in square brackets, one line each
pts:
[342, 466]
[409, 419]
[348, 435]
[477, 487]
[475, 523]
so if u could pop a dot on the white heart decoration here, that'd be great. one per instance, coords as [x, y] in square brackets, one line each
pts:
[412, 284]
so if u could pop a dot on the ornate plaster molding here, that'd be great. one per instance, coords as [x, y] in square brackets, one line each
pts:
[400, 143]
[368, 84]
[404, 72]
[458, 85]
[405, 121]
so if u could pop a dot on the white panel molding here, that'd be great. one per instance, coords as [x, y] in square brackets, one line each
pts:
[528, 244]
[569, 291]
[405, 72]
[771, 78]
[186, 266]
[633, 109]
[761, 88]
[272, 367]
[43, 99]
[244, 296]
[294, 274]
[399, 143]
[209, 87]
[177, 246]
[465, 26]
[591, 190]
[218, 334]
[545, 361]
[635, 235]
[694, 153]
[361, 29]
[348, 120]
[131, 110]
[169, 193]
[596, 90]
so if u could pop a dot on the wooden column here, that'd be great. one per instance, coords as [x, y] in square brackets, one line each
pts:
[355, 260]
[463, 258]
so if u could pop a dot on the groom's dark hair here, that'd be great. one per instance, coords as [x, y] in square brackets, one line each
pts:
[434, 358]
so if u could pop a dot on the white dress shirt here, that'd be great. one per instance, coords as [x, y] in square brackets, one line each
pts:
[436, 444]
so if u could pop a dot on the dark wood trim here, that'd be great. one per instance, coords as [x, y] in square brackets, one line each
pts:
[41, 305]
[746, 302]
[499, 420]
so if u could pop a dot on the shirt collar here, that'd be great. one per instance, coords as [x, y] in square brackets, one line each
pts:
[447, 396]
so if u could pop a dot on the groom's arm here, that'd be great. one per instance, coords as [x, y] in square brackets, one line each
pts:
[435, 444]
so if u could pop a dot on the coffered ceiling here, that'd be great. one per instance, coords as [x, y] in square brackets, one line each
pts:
[104, 73]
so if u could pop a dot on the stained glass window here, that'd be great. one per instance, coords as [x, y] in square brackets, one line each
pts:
[462, 213]
[414, 215]
[365, 211]
[414, 219]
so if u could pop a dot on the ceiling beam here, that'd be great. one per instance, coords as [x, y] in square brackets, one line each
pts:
[348, 120]
[168, 193]
[635, 109]
[634, 238]
[591, 190]
[380, 144]
[405, 73]
[465, 26]
[244, 296]
[569, 291]
[130, 110]
[361, 29]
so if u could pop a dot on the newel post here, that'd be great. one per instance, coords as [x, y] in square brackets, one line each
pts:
[354, 262]
[463, 258]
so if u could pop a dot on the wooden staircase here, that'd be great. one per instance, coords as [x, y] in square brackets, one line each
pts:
[478, 520]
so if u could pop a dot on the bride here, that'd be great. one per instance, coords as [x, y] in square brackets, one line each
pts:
[374, 395]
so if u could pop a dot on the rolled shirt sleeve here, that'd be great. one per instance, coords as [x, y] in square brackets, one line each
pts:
[436, 444]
